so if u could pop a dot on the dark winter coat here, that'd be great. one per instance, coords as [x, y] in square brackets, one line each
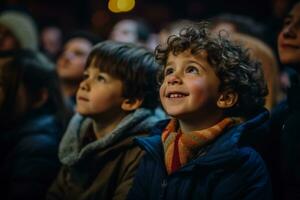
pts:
[285, 125]
[29, 160]
[104, 168]
[222, 170]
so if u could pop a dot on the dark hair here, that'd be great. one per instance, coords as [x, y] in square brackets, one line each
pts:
[35, 72]
[231, 63]
[135, 66]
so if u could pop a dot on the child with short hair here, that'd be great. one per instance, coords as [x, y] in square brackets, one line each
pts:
[209, 87]
[115, 102]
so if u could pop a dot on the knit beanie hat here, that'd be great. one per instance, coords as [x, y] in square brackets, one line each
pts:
[22, 27]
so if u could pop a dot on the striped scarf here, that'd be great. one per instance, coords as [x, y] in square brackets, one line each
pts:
[180, 147]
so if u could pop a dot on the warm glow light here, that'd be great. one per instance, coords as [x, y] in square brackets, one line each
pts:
[117, 6]
[125, 5]
[112, 6]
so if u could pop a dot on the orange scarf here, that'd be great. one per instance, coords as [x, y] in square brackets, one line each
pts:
[180, 147]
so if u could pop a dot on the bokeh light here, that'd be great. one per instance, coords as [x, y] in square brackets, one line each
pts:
[117, 6]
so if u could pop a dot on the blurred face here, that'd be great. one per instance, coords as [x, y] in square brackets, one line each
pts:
[70, 65]
[125, 31]
[7, 40]
[99, 95]
[190, 86]
[51, 39]
[289, 38]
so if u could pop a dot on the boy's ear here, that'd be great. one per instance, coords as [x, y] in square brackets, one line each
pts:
[131, 104]
[227, 99]
[41, 98]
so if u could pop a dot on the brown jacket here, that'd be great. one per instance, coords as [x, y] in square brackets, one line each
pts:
[105, 172]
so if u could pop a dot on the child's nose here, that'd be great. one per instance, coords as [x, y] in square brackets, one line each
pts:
[84, 85]
[289, 31]
[174, 79]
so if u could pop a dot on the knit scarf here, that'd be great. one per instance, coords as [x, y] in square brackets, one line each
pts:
[180, 148]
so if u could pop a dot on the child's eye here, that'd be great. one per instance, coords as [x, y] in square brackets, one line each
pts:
[168, 71]
[192, 69]
[85, 76]
[100, 78]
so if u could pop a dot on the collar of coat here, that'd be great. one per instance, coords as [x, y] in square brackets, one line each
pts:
[71, 151]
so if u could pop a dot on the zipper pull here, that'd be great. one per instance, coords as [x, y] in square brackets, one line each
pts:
[164, 185]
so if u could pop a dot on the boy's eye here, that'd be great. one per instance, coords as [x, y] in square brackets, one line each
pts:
[100, 78]
[192, 69]
[168, 71]
[85, 76]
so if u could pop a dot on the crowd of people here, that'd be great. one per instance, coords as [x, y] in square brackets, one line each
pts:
[203, 109]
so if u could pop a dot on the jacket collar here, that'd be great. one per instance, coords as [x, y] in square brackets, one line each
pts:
[221, 151]
[70, 150]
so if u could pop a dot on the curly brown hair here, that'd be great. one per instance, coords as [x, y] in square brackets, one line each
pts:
[231, 62]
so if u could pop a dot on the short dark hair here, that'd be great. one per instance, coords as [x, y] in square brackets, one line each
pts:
[135, 66]
[231, 62]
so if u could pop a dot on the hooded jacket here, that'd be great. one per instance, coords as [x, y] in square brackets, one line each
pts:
[222, 170]
[104, 168]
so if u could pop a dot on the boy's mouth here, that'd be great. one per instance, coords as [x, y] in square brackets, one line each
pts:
[176, 95]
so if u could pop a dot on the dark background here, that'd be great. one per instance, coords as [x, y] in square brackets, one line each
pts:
[94, 14]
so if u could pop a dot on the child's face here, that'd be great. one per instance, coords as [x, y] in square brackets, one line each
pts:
[99, 94]
[289, 38]
[70, 65]
[190, 86]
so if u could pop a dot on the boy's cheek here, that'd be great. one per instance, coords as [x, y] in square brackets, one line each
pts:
[161, 91]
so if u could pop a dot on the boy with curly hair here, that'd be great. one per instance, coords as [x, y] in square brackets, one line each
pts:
[115, 102]
[214, 94]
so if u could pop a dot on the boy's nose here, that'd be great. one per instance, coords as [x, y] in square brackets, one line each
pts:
[84, 85]
[174, 79]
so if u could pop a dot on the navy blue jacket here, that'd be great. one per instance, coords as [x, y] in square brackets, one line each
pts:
[223, 170]
[28, 157]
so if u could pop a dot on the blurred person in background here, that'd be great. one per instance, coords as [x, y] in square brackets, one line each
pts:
[131, 31]
[33, 118]
[285, 119]
[51, 41]
[17, 31]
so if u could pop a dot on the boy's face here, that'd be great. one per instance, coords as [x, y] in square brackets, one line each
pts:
[190, 86]
[99, 94]
[289, 38]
